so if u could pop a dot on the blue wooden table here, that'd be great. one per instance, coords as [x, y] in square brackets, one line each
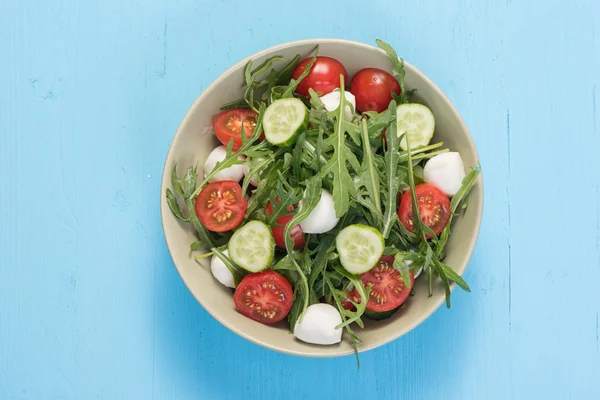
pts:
[91, 306]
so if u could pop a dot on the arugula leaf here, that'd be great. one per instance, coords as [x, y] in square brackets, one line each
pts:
[189, 182]
[457, 199]
[343, 185]
[369, 176]
[281, 201]
[261, 194]
[174, 206]
[197, 245]
[286, 73]
[291, 88]
[324, 249]
[364, 296]
[397, 69]
[312, 195]
[175, 181]
[250, 77]
[392, 159]
[239, 103]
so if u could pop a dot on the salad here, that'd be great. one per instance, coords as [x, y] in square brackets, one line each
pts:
[325, 200]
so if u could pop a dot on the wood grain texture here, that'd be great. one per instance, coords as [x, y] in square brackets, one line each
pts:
[91, 306]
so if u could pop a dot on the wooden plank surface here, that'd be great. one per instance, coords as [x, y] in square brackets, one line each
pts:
[91, 307]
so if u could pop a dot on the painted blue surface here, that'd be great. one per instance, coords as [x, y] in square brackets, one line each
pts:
[91, 307]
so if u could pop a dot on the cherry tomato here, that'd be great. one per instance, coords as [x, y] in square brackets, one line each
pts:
[434, 208]
[373, 89]
[221, 206]
[323, 78]
[265, 297]
[296, 234]
[389, 290]
[228, 125]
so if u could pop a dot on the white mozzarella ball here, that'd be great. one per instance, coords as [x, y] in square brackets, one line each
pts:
[317, 325]
[446, 171]
[331, 101]
[233, 173]
[221, 272]
[322, 219]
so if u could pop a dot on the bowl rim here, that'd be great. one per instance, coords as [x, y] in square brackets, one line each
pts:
[165, 183]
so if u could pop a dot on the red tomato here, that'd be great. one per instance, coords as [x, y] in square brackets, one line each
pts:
[373, 89]
[221, 206]
[323, 78]
[265, 297]
[388, 290]
[228, 125]
[434, 208]
[296, 234]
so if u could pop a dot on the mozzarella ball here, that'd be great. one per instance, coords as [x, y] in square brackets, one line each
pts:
[221, 272]
[317, 325]
[322, 219]
[331, 101]
[233, 173]
[446, 171]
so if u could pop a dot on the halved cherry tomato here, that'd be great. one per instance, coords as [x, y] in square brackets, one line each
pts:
[296, 234]
[434, 208]
[221, 206]
[265, 297]
[373, 89]
[389, 290]
[323, 78]
[228, 125]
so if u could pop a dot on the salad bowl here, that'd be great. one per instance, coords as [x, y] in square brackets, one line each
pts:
[194, 141]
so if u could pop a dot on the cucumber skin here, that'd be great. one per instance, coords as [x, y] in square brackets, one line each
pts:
[379, 316]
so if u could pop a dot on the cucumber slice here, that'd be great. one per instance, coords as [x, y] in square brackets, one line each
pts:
[284, 120]
[378, 316]
[417, 121]
[252, 246]
[360, 247]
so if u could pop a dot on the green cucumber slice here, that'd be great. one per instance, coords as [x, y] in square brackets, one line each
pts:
[378, 316]
[359, 247]
[417, 121]
[252, 247]
[284, 120]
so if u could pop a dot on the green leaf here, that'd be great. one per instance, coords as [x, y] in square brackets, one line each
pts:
[197, 245]
[189, 182]
[235, 104]
[174, 206]
[453, 276]
[324, 249]
[343, 185]
[175, 181]
[312, 195]
[397, 68]
[286, 73]
[281, 201]
[364, 295]
[457, 199]
[391, 158]
[370, 176]
[291, 88]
